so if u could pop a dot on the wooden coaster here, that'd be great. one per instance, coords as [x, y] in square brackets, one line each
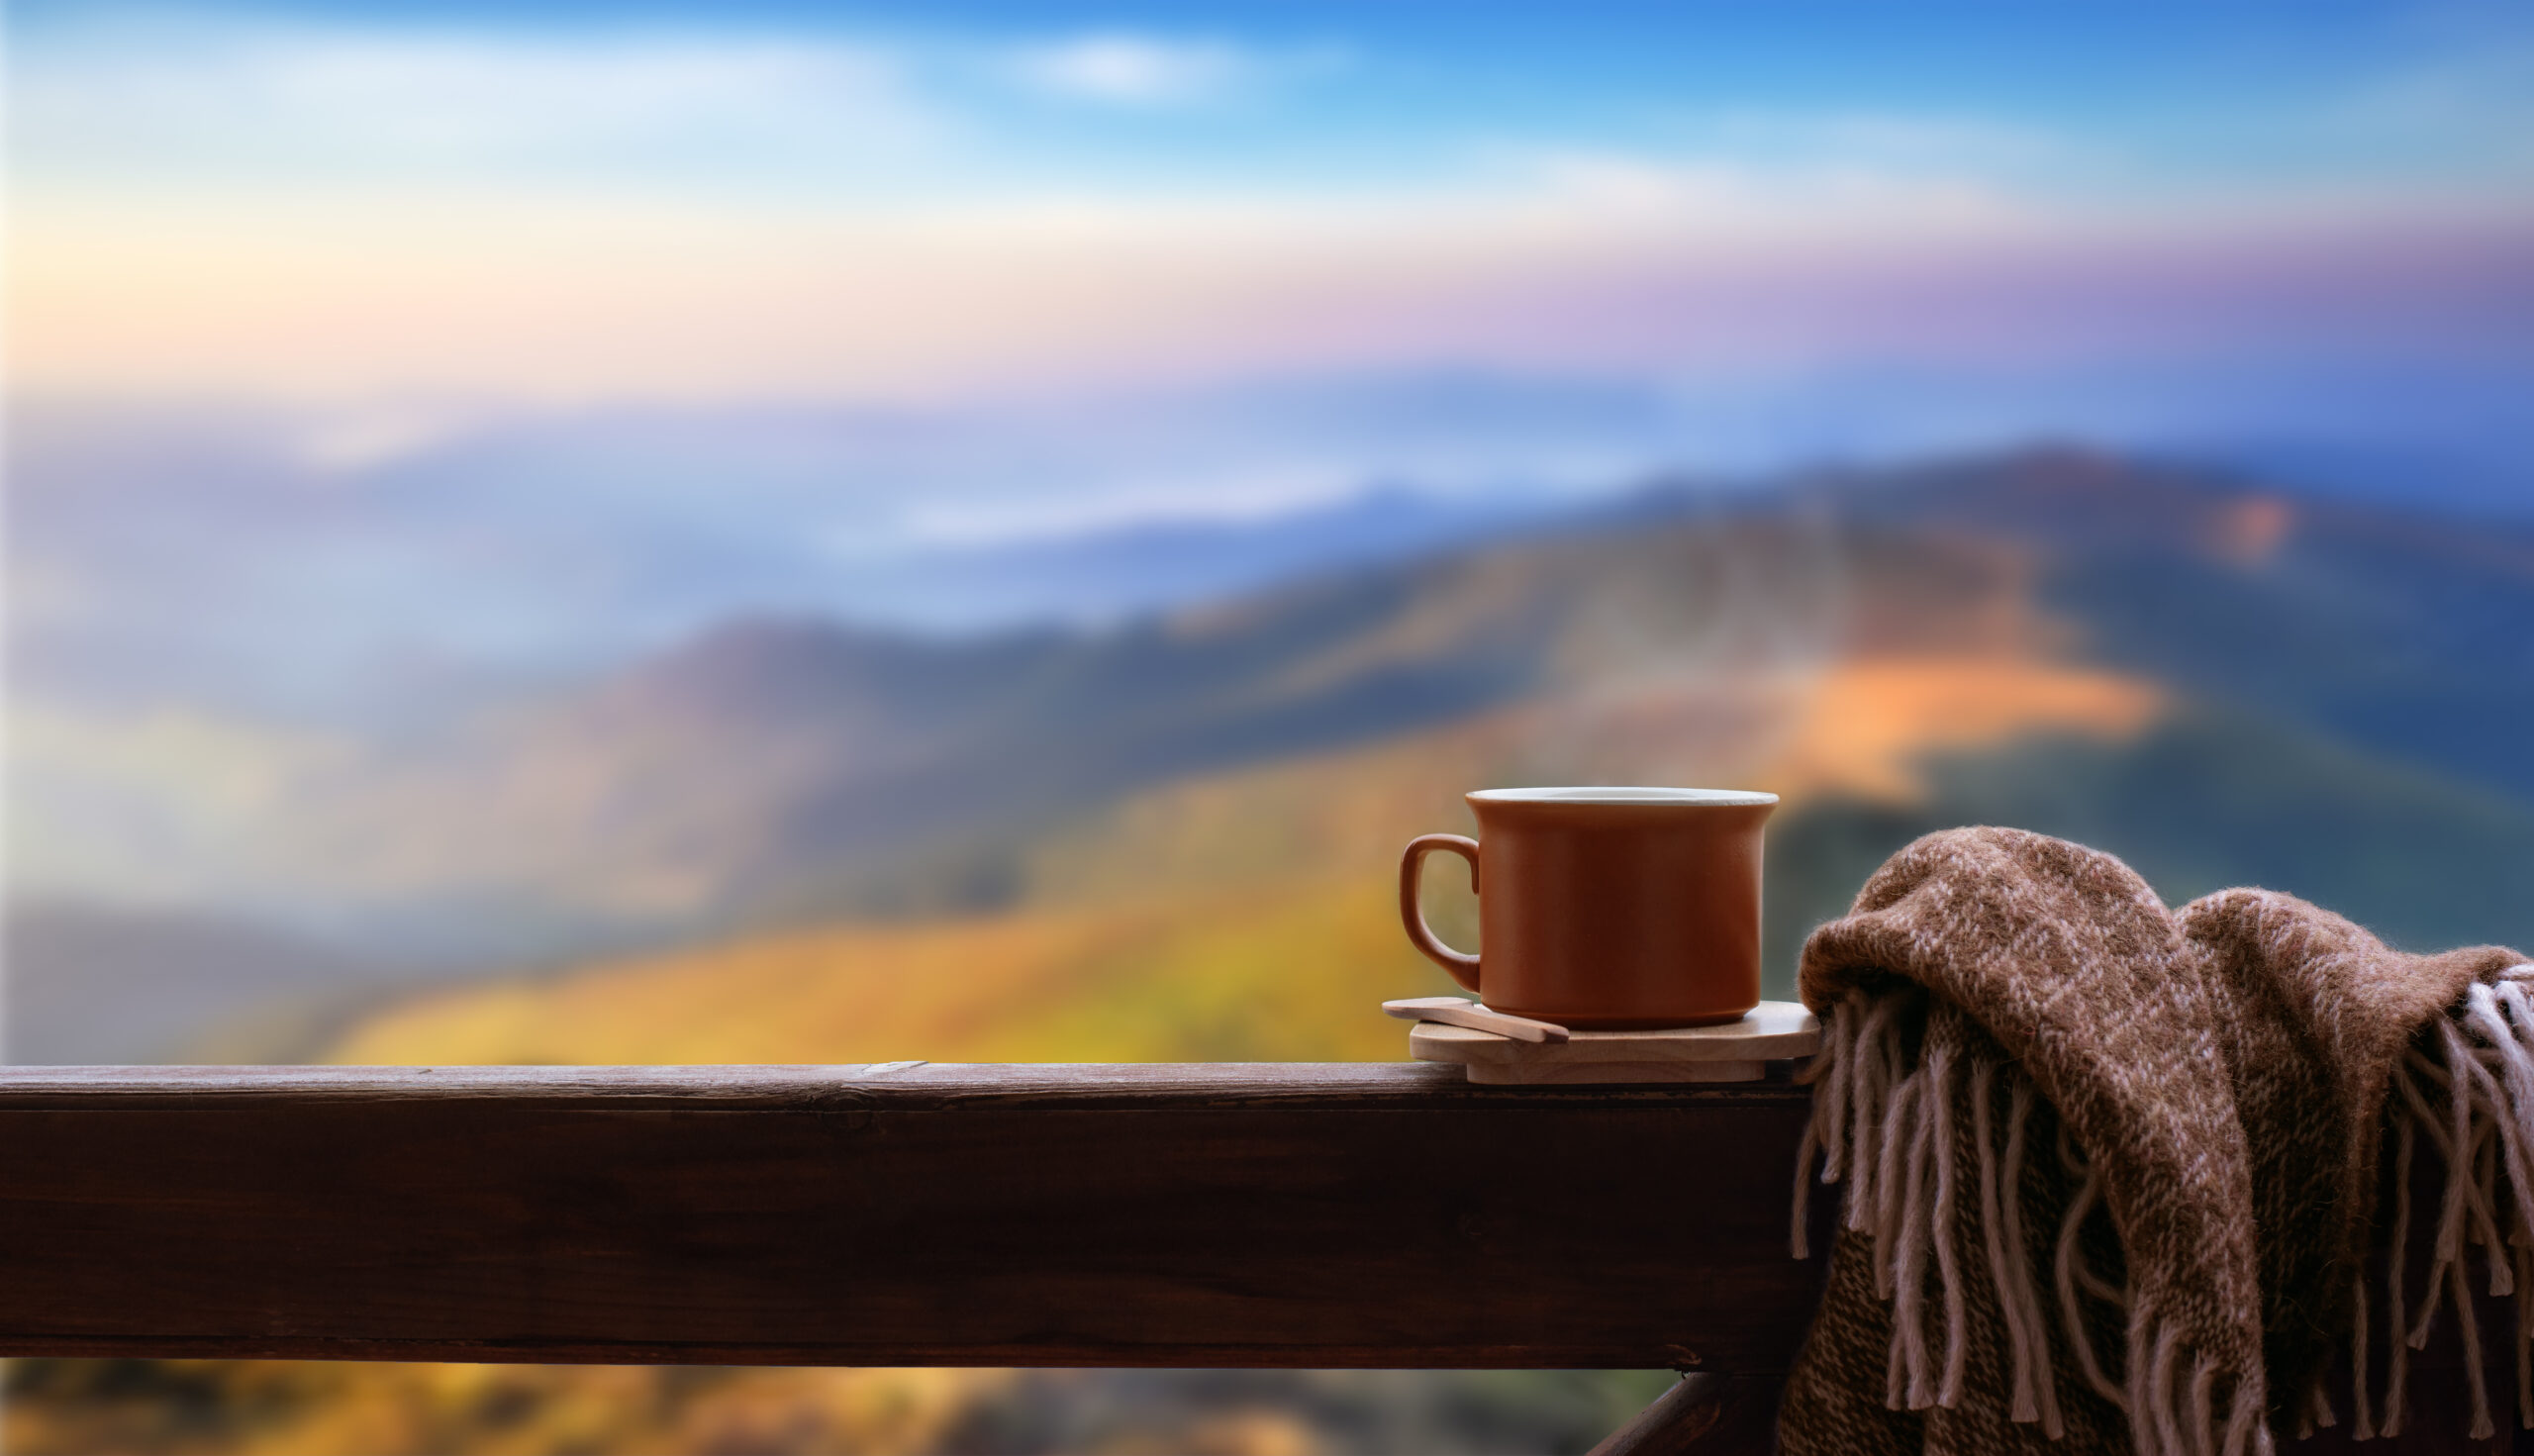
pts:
[1737, 1051]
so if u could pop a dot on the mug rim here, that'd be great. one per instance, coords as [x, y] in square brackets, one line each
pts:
[1628, 793]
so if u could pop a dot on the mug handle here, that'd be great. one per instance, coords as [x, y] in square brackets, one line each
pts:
[1463, 968]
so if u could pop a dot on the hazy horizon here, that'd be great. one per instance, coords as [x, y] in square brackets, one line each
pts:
[382, 374]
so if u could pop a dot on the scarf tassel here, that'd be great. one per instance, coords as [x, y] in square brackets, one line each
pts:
[1884, 1126]
[2470, 1099]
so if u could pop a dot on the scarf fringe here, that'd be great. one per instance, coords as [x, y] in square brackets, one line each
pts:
[2470, 1099]
[1884, 1124]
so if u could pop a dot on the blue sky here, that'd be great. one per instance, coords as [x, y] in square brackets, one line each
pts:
[2102, 100]
[570, 203]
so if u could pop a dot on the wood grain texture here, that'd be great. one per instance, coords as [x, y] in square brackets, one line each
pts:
[1358, 1214]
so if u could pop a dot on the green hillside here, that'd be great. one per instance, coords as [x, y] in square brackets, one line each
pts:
[1248, 915]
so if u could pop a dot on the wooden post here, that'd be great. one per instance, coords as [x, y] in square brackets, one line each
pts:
[1704, 1415]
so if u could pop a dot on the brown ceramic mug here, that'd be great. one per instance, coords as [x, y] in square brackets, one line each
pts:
[1606, 909]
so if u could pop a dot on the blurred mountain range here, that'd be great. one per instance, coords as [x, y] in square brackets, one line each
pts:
[2222, 680]
[1174, 839]
[401, 565]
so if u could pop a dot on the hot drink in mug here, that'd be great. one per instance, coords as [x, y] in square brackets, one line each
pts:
[1606, 909]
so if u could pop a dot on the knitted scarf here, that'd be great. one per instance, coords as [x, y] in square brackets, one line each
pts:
[2110, 1169]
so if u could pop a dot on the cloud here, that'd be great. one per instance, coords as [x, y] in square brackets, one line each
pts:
[357, 441]
[1126, 69]
[190, 104]
[2473, 105]
[1884, 141]
[229, 105]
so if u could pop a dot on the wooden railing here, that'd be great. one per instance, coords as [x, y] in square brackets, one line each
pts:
[1242, 1215]
[1375, 1214]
